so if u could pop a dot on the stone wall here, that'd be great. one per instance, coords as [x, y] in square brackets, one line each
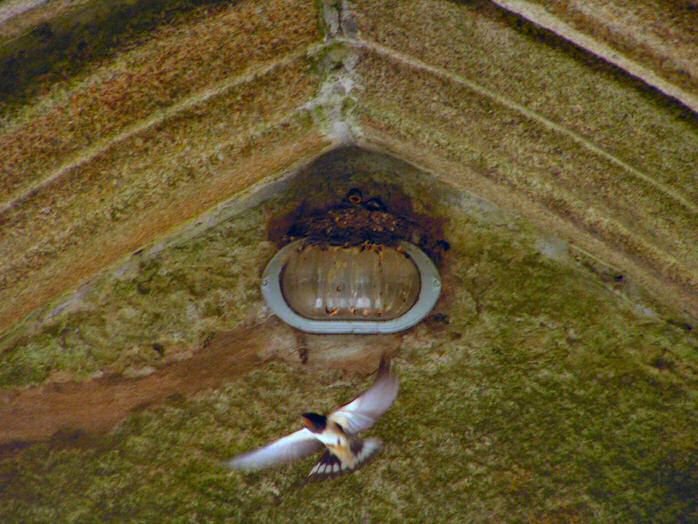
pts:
[182, 107]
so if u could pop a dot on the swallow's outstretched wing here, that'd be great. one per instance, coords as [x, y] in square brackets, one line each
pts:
[287, 449]
[362, 412]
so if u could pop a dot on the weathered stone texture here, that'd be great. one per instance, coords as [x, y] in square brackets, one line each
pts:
[147, 165]
[148, 142]
[659, 34]
[183, 117]
[177, 66]
[538, 118]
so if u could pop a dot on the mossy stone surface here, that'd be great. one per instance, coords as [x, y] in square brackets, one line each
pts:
[538, 393]
[545, 386]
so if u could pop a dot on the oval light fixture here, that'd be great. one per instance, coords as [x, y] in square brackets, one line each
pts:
[366, 289]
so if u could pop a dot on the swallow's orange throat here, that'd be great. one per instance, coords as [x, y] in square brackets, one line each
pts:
[314, 422]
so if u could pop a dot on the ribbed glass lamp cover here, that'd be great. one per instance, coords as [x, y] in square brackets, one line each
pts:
[350, 283]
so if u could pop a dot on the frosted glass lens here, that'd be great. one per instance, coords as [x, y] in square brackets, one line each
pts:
[338, 283]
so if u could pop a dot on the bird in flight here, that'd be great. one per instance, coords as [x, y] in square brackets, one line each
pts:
[344, 451]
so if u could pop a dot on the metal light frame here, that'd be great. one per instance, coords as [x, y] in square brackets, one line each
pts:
[430, 289]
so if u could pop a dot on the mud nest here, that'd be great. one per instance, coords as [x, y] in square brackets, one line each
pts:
[358, 220]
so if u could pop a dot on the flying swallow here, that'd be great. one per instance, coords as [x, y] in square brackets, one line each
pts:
[344, 451]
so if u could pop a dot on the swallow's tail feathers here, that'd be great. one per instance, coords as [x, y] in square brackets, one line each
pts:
[331, 466]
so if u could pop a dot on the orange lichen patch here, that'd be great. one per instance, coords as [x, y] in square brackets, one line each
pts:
[63, 407]
[176, 63]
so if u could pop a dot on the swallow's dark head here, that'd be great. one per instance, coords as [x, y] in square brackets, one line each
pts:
[314, 422]
[354, 196]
